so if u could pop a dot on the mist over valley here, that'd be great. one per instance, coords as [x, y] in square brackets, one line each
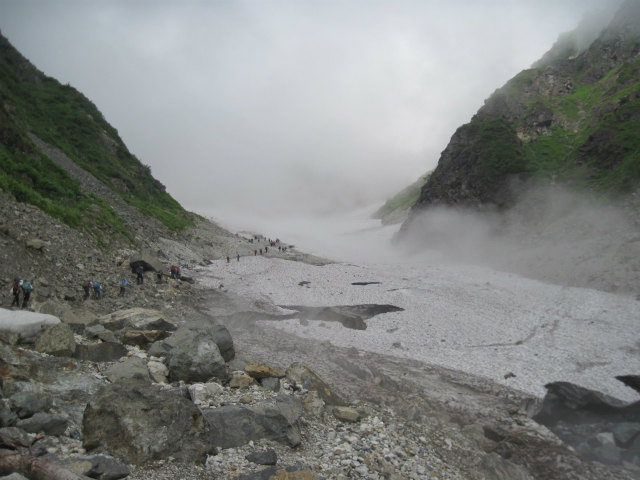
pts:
[340, 240]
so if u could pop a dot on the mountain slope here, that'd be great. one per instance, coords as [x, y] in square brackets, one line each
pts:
[572, 119]
[39, 116]
[396, 209]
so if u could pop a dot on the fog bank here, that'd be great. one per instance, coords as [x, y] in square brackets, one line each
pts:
[551, 235]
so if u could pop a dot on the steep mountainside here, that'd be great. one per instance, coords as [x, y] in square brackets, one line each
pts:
[573, 119]
[54, 143]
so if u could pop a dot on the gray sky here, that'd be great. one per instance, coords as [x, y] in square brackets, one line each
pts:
[283, 105]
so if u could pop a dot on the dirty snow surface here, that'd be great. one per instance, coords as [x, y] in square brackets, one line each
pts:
[516, 331]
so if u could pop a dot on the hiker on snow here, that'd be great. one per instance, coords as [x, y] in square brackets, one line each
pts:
[15, 290]
[26, 292]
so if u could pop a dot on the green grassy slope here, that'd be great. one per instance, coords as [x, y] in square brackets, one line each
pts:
[61, 116]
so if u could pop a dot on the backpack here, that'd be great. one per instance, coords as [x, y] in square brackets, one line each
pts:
[97, 286]
[26, 286]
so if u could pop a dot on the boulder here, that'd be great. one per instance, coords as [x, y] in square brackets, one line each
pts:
[195, 358]
[77, 319]
[37, 244]
[147, 262]
[263, 457]
[270, 383]
[139, 423]
[132, 368]
[193, 353]
[158, 371]
[260, 371]
[346, 414]
[100, 467]
[143, 338]
[44, 422]
[15, 476]
[312, 403]
[303, 376]
[100, 333]
[571, 403]
[203, 393]
[57, 340]
[137, 319]
[15, 437]
[206, 326]
[7, 417]
[600, 428]
[100, 352]
[27, 325]
[26, 404]
[240, 379]
[233, 425]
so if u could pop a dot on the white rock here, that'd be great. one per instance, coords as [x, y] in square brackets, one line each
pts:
[158, 371]
[203, 393]
[28, 325]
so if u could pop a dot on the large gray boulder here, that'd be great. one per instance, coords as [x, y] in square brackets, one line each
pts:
[44, 422]
[197, 352]
[233, 425]
[101, 352]
[195, 357]
[27, 325]
[139, 423]
[205, 326]
[599, 427]
[132, 368]
[26, 404]
[138, 319]
[77, 318]
[100, 467]
[57, 340]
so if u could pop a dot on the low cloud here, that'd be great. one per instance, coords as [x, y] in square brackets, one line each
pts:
[551, 234]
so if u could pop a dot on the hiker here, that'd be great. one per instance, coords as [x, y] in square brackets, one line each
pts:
[228, 259]
[175, 271]
[140, 275]
[255, 252]
[26, 292]
[238, 256]
[88, 288]
[123, 287]
[15, 289]
[97, 288]
[159, 276]
[266, 249]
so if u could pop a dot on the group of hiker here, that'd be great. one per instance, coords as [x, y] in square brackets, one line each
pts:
[93, 288]
[21, 286]
[259, 251]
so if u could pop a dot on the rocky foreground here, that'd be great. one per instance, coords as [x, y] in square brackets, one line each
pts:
[175, 381]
